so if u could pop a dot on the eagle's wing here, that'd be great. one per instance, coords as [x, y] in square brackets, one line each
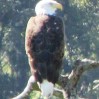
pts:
[33, 28]
[30, 33]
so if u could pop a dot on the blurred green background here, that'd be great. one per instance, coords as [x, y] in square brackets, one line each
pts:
[81, 19]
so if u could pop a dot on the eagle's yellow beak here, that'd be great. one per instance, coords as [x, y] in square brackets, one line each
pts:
[58, 6]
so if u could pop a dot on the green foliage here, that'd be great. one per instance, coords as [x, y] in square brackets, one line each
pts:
[35, 95]
[81, 29]
[80, 3]
[81, 19]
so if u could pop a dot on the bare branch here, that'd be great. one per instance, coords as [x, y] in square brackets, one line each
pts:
[58, 90]
[96, 87]
[80, 66]
[27, 89]
[68, 82]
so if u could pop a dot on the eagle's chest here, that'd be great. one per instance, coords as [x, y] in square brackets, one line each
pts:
[47, 36]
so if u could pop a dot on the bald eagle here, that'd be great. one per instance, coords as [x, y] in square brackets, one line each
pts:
[44, 45]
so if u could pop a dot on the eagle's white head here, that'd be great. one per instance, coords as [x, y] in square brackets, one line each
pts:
[47, 7]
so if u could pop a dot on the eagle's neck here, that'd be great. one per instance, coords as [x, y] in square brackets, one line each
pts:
[46, 13]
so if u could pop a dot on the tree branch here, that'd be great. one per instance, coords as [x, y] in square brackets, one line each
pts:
[68, 82]
[27, 90]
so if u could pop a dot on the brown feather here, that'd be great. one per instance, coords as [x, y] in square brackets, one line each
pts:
[44, 45]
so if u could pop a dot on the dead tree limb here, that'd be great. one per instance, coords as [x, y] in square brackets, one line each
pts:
[27, 90]
[68, 82]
